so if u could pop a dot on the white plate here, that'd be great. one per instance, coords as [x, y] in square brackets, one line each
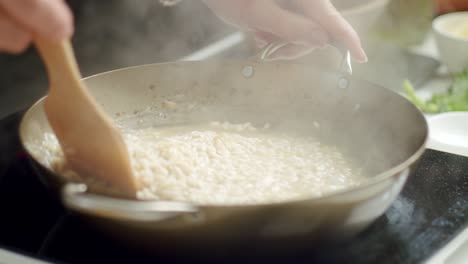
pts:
[449, 132]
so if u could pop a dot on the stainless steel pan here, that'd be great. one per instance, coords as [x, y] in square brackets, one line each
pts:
[374, 127]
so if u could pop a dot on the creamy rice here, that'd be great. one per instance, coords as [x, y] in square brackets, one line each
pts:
[223, 163]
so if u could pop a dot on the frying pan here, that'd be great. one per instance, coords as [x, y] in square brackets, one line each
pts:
[375, 128]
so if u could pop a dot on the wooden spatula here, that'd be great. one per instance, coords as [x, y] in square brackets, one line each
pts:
[91, 144]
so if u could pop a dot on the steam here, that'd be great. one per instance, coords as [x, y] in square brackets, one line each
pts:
[128, 33]
[135, 33]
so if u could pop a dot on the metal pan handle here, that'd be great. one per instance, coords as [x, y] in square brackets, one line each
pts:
[76, 197]
[346, 62]
[269, 49]
[345, 66]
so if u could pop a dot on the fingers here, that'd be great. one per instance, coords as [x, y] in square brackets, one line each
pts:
[13, 37]
[267, 16]
[329, 18]
[49, 18]
[309, 23]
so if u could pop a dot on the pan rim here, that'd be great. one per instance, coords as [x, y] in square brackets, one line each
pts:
[372, 181]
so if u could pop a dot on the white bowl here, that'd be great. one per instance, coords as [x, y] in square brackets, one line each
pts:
[451, 43]
[449, 132]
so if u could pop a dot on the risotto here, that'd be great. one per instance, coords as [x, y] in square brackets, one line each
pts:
[223, 163]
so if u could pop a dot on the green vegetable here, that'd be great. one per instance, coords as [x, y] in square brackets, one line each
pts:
[455, 99]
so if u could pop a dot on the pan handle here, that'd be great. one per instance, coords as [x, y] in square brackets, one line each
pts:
[346, 68]
[346, 64]
[269, 49]
[76, 197]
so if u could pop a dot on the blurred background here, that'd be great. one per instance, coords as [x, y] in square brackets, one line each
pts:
[111, 35]
[122, 33]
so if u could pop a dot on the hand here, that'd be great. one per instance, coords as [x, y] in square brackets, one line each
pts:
[21, 20]
[309, 24]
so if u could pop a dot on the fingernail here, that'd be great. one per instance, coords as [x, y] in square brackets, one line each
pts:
[362, 60]
[361, 57]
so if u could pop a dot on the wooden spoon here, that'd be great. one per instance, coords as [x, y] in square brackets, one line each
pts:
[89, 140]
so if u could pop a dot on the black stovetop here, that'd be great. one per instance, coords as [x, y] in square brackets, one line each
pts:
[431, 210]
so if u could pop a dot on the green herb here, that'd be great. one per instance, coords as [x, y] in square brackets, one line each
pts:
[455, 99]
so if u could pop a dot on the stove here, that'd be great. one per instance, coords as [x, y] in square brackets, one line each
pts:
[431, 211]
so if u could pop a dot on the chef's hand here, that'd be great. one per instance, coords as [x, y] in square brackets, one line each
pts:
[309, 24]
[21, 20]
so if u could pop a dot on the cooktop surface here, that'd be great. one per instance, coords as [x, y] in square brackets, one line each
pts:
[431, 210]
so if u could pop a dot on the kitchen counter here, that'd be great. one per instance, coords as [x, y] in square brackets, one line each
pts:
[456, 252]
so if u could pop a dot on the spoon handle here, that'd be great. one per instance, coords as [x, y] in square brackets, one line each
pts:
[91, 143]
[59, 59]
